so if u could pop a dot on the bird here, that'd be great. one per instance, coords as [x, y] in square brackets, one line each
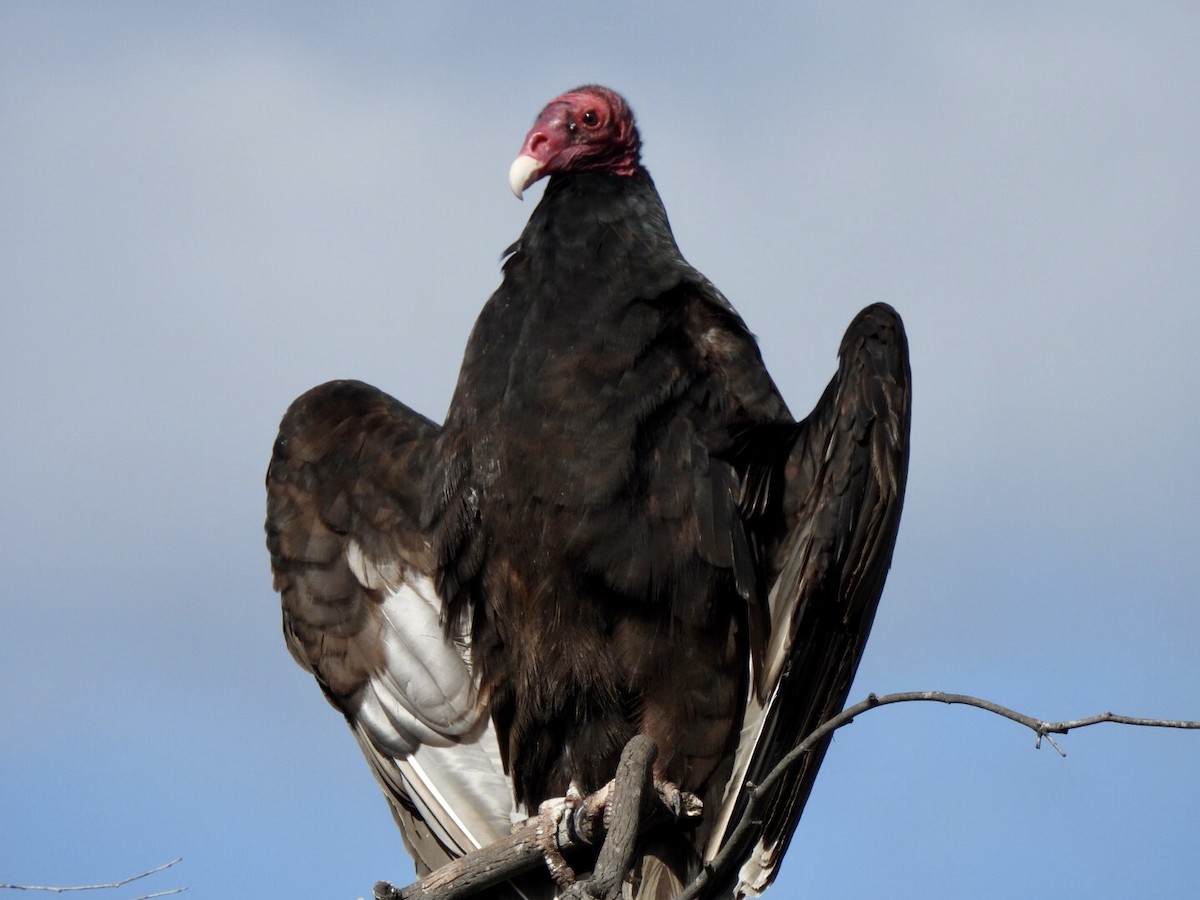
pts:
[619, 529]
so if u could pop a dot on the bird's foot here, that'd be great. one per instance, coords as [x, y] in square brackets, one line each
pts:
[683, 805]
[556, 828]
[670, 794]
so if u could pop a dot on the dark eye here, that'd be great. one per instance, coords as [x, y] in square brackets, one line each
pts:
[590, 117]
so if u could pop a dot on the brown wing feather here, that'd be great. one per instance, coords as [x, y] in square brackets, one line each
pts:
[344, 490]
[842, 491]
[347, 466]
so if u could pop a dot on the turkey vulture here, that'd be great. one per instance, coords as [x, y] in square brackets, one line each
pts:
[619, 529]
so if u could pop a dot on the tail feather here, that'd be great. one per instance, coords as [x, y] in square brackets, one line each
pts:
[666, 864]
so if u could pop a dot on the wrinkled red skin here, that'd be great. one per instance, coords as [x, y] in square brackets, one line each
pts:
[589, 129]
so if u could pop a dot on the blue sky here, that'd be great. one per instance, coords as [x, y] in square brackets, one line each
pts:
[204, 210]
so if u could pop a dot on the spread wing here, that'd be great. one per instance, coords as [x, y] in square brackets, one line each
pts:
[833, 486]
[360, 613]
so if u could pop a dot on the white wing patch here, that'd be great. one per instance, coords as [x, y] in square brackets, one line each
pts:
[422, 691]
[462, 791]
[419, 714]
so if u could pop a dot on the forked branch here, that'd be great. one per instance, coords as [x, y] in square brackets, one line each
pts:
[590, 824]
[622, 809]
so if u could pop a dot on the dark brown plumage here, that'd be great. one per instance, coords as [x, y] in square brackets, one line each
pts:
[619, 517]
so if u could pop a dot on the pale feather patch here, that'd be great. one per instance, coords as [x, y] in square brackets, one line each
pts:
[466, 788]
[459, 792]
[432, 674]
[373, 574]
[423, 692]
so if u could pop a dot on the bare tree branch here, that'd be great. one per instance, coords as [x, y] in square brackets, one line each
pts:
[100, 887]
[624, 820]
[524, 849]
[583, 825]
[1041, 728]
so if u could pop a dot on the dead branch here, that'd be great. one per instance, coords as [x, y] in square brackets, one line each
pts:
[1041, 728]
[616, 810]
[524, 849]
[99, 887]
[627, 813]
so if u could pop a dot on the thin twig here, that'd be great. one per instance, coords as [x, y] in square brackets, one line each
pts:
[755, 793]
[99, 887]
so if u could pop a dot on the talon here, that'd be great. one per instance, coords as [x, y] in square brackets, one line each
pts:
[682, 804]
[671, 795]
[554, 822]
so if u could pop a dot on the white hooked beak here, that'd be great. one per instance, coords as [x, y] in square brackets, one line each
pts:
[522, 173]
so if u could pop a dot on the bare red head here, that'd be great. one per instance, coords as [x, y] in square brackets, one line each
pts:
[589, 129]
